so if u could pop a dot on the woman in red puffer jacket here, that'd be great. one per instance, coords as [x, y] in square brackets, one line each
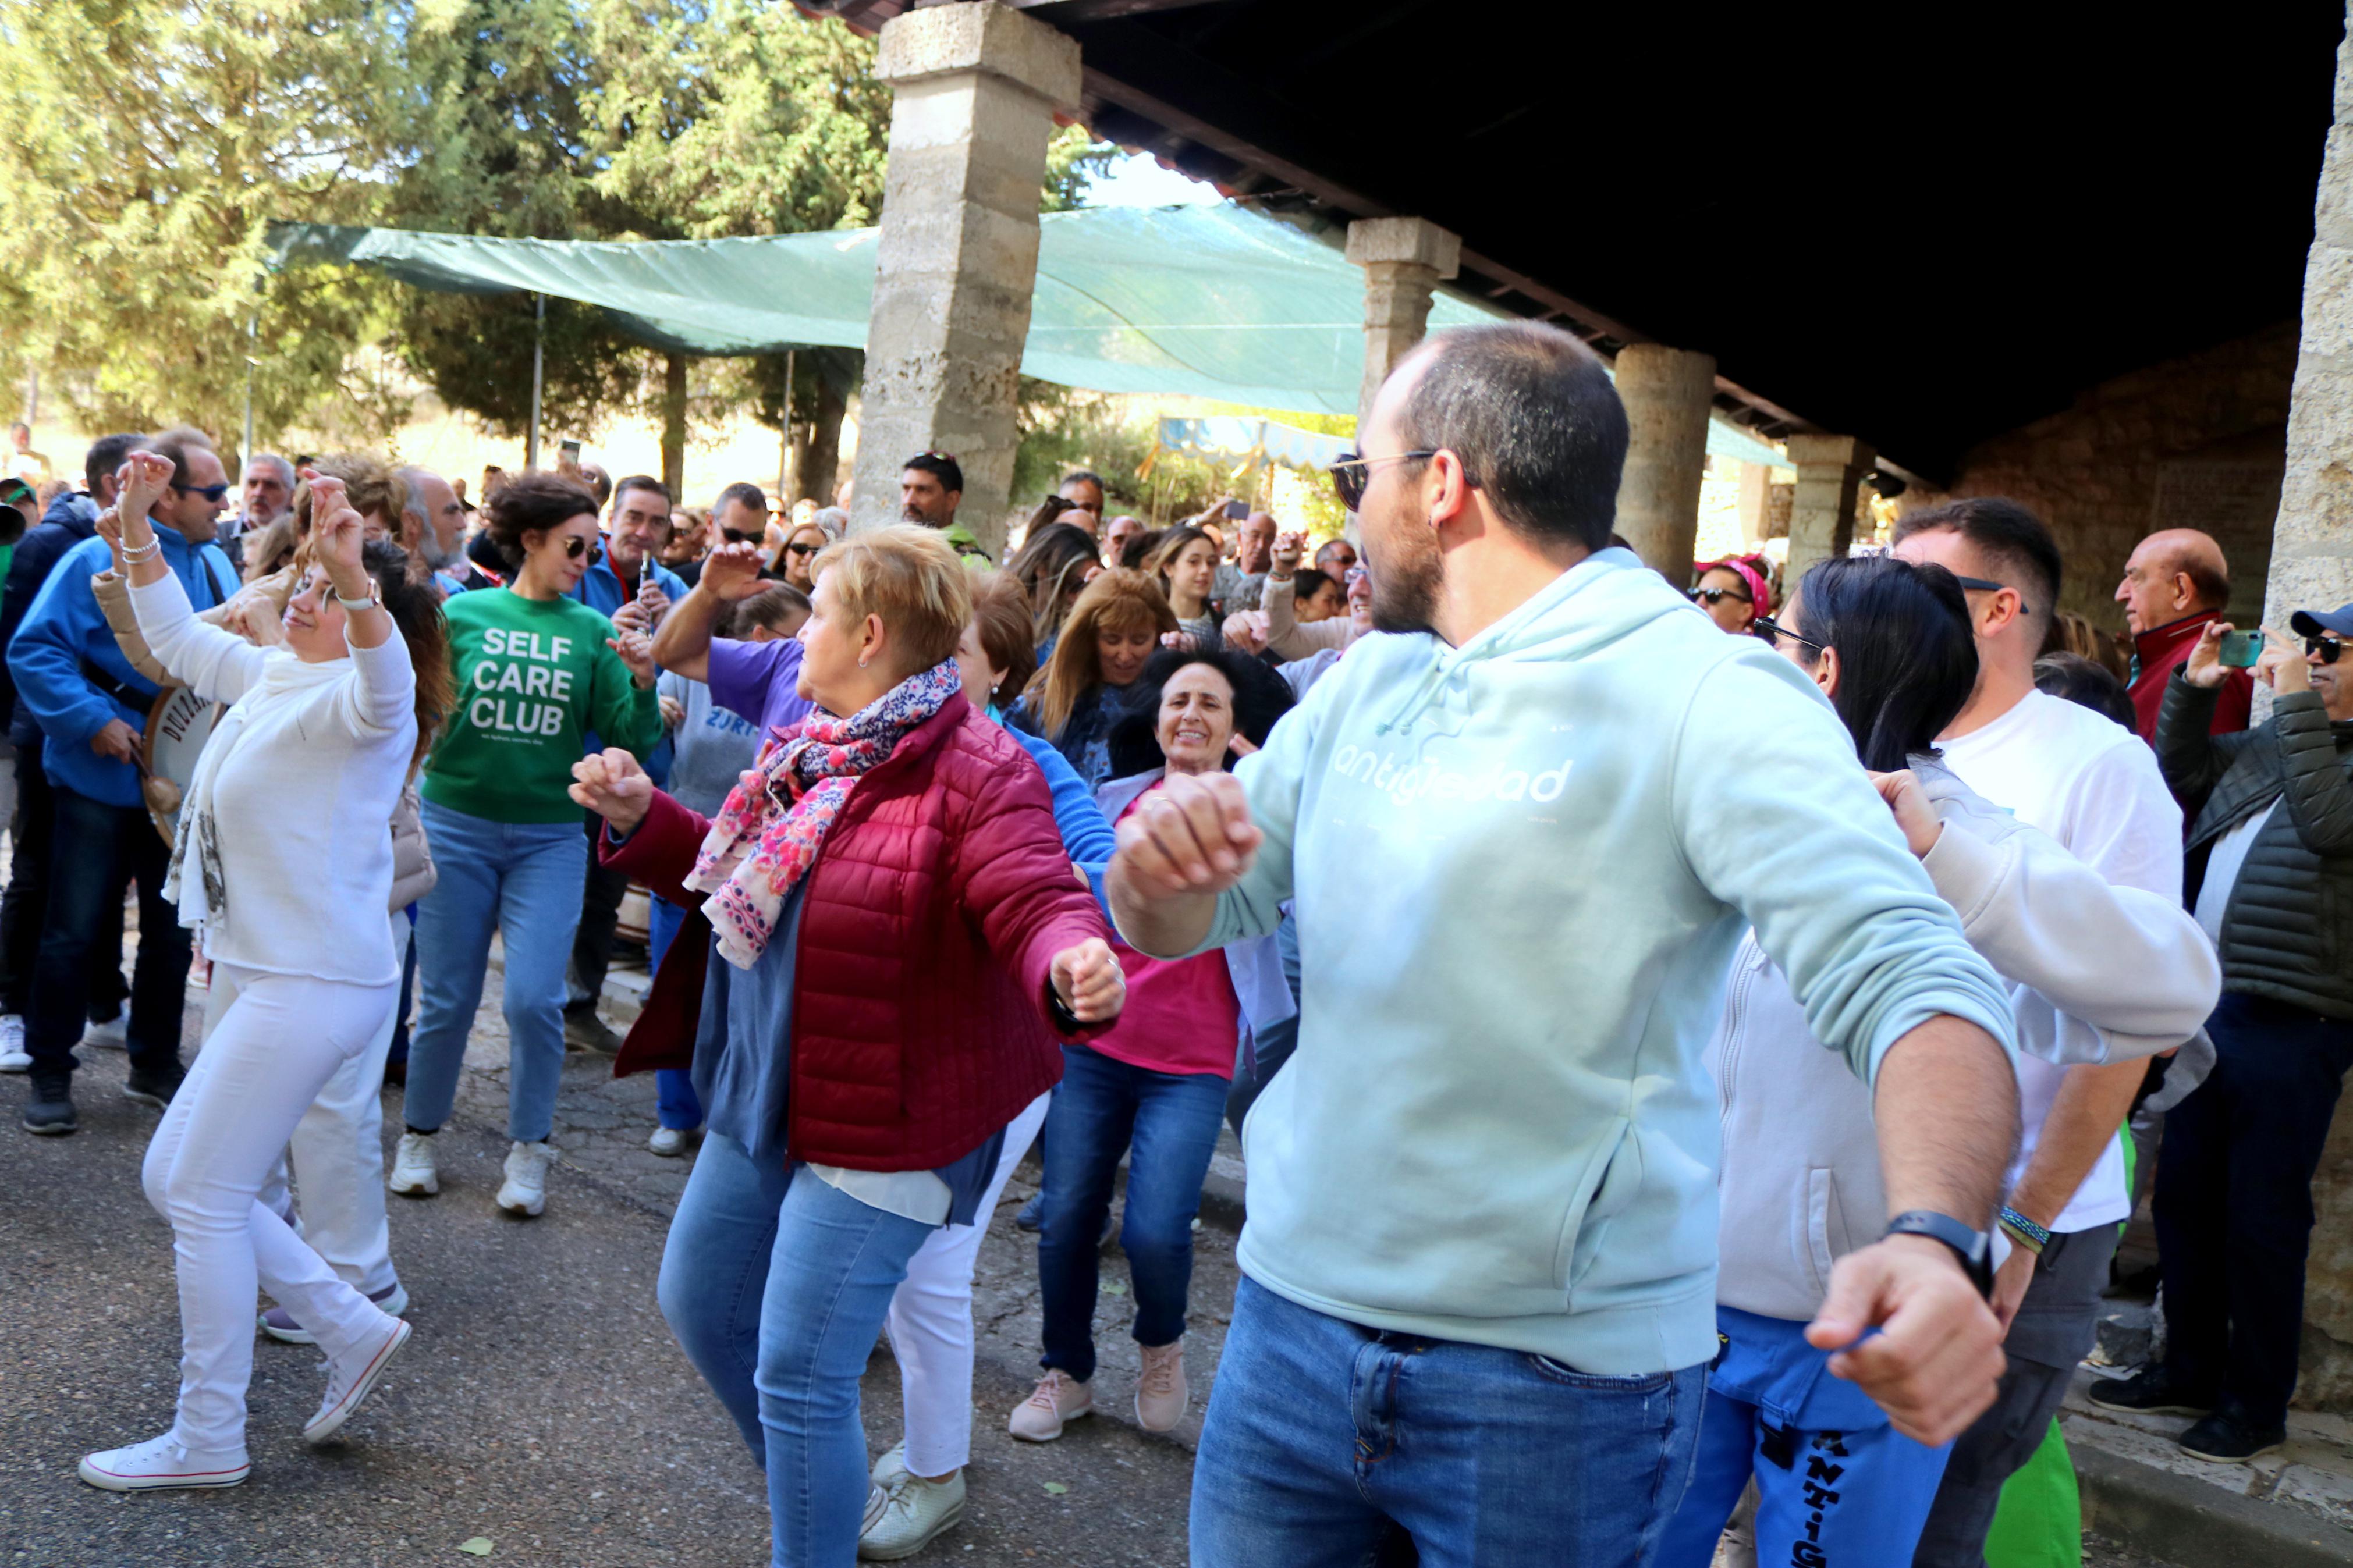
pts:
[898, 947]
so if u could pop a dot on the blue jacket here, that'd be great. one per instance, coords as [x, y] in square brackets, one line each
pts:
[64, 630]
[1086, 835]
[70, 519]
[1255, 964]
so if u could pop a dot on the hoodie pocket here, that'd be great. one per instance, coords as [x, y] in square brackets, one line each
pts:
[1825, 1226]
[1607, 1185]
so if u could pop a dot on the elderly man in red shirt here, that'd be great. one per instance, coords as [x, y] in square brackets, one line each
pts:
[2175, 582]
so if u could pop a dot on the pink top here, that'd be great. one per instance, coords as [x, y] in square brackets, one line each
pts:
[1181, 1016]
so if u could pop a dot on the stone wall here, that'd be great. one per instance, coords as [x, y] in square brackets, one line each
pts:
[2198, 442]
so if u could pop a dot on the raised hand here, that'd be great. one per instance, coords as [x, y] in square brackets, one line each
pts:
[145, 477]
[1193, 835]
[731, 572]
[1090, 981]
[2204, 669]
[2282, 666]
[1288, 550]
[110, 529]
[337, 532]
[612, 785]
[637, 651]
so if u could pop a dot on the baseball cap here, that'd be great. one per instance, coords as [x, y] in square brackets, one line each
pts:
[2312, 623]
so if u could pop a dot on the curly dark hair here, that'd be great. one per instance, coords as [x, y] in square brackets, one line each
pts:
[1260, 697]
[533, 502]
[415, 605]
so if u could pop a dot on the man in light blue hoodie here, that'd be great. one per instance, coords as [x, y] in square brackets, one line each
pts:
[1524, 833]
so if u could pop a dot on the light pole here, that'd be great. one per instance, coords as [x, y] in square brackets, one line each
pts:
[538, 369]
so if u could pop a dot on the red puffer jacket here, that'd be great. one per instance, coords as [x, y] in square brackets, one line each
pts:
[927, 939]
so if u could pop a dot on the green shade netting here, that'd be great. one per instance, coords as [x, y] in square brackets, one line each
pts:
[1205, 301]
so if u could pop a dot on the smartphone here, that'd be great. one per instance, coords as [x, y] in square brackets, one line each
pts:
[1238, 510]
[2241, 649]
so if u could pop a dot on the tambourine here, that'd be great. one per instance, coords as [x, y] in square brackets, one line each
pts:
[177, 728]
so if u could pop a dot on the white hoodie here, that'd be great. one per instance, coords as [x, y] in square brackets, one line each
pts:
[1800, 1183]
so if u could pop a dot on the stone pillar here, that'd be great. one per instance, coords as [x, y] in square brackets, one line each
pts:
[1667, 394]
[1821, 512]
[2312, 565]
[976, 90]
[1403, 259]
[1756, 502]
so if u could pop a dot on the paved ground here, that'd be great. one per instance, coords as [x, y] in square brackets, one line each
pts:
[543, 1407]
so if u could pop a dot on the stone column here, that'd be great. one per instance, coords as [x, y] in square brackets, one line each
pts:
[1756, 493]
[976, 90]
[1404, 260]
[2312, 566]
[1667, 394]
[1821, 512]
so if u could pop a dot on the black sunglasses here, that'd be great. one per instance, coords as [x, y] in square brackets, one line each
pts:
[214, 494]
[2327, 650]
[1984, 587]
[737, 536]
[1770, 628]
[573, 545]
[1352, 473]
[804, 549]
[1715, 596]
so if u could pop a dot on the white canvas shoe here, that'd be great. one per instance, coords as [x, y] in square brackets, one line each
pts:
[348, 1382]
[162, 1462]
[525, 1189]
[913, 1513]
[114, 1035]
[14, 1056]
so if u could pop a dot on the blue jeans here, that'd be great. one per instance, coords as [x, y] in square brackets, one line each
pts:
[1325, 1440]
[1166, 1124]
[94, 851]
[675, 1103]
[522, 881]
[776, 1286]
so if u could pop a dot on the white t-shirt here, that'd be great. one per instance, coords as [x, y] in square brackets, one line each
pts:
[2223, 869]
[2094, 786]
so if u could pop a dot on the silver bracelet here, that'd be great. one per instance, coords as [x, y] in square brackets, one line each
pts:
[134, 554]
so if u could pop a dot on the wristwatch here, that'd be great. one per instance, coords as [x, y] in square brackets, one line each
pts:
[375, 597]
[1973, 1248]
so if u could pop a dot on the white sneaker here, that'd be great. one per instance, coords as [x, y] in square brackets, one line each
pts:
[348, 1383]
[1059, 1397]
[114, 1035]
[414, 1174]
[14, 1056]
[669, 1142]
[525, 1189]
[162, 1462]
[891, 1466]
[909, 1515]
[280, 1325]
[1161, 1396]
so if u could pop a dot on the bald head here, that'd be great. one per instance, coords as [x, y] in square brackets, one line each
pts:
[2173, 574]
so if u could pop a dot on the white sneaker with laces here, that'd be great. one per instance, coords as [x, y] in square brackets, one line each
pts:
[669, 1142]
[14, 1056]
[1059, 1397]
[893, 1464]
[1161, 1396]
[162, 1462]
[114, 1035]
[525, 1189]
[913, 1513]
[414, 1174]
[348, 1382]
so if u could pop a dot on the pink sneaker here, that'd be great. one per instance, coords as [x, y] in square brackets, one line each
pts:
[1161, 1396]
[1059, 1398]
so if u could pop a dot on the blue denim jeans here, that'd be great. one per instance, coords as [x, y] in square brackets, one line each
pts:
[1166, 1124]
[776, 1286]
[675, 1103]
[522, 881]
[1325, 1439]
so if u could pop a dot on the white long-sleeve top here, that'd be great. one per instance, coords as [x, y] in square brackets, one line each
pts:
[2113, 973]
[300, 777]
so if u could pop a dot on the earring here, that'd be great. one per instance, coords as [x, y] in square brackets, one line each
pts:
[861, 662]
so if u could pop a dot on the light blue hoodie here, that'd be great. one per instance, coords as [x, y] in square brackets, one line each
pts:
[1521, 869]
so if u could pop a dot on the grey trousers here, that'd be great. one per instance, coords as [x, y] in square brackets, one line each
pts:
[2054, 1329]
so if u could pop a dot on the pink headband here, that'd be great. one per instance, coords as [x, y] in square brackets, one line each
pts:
[1760, 591]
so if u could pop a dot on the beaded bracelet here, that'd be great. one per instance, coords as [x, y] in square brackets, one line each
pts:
[2024, 1231]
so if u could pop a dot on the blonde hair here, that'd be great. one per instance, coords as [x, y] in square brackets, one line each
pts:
[1117, 601]
[909, 576]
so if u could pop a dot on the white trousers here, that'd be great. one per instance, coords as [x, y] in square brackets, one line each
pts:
[931, 1321]
[279, 1040]
[337, 1153]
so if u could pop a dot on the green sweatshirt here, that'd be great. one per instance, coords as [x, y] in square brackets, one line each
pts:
[533, 677]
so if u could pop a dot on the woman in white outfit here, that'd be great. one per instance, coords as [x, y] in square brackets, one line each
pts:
[282, 864]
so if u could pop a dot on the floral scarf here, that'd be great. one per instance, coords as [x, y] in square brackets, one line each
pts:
[768, 833]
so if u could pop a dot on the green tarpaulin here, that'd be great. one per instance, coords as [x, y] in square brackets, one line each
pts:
[1207, 301]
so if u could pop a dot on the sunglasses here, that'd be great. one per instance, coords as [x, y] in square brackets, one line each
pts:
[1356, 575]
[1352, 473]
[804, 549]
[1773, 628]
[2327, 650]
[213, 493]
[574, 547]
[1981, 585]
[1716, 596]
[737, 536]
